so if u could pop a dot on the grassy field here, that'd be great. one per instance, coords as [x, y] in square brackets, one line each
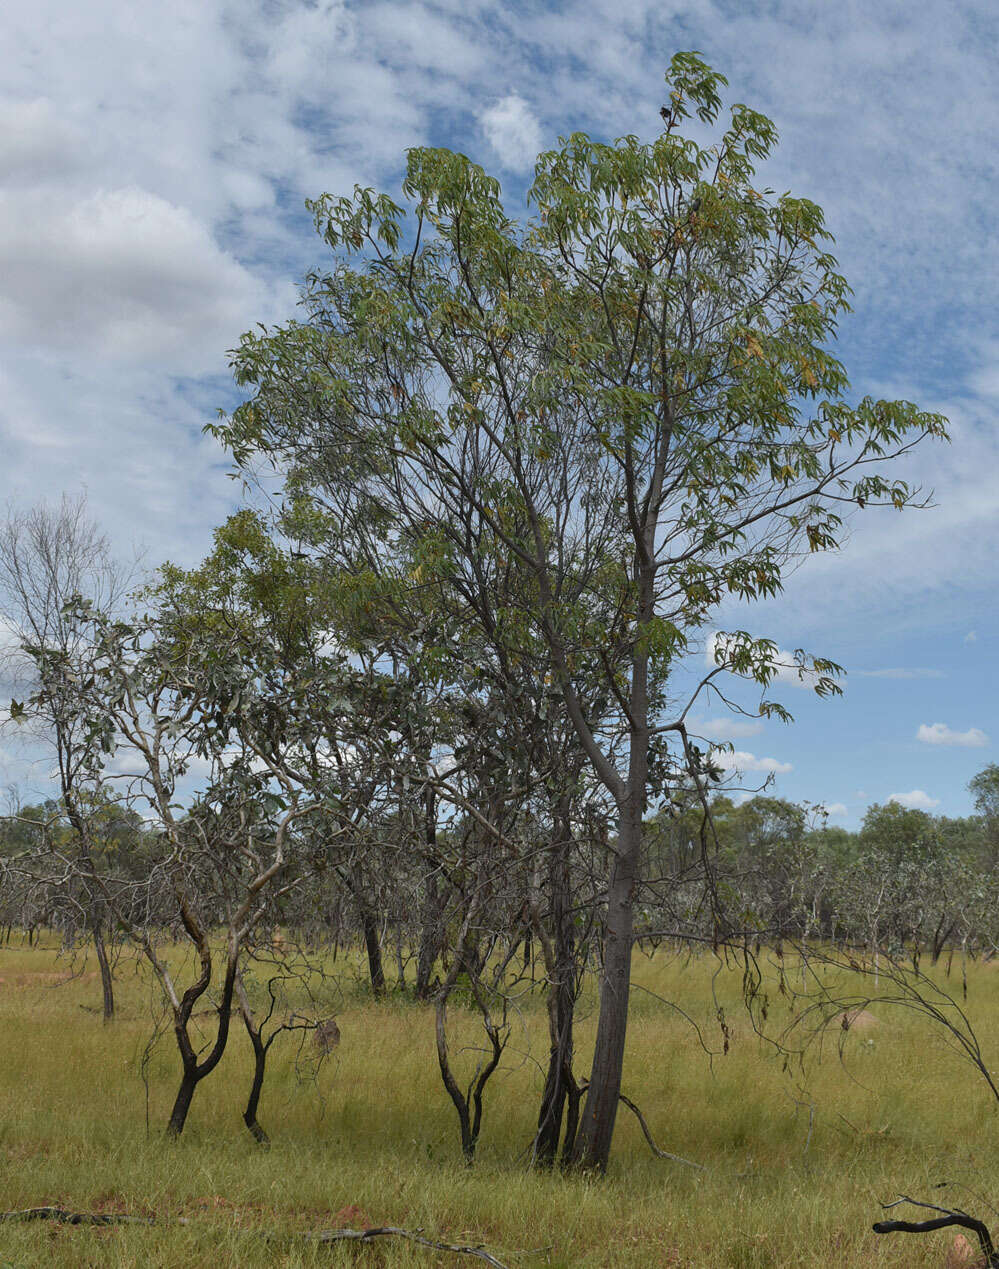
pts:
[796, 1163]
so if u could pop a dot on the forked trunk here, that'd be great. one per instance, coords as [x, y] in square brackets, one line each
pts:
[259, 1067]
[193, 1070]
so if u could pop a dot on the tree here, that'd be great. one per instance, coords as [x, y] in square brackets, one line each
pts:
[984, 788]
[629, 402]
[47, 556]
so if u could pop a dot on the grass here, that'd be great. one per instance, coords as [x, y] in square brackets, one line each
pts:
[373, 1138]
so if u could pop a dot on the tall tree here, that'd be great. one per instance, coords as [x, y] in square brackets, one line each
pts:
[630, 400]
[47, 557]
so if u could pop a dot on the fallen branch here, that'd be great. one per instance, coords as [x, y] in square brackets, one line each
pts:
[414, 1236]
[74, 1218]
[949, 1217]
[322, 1236]
[660, 1154]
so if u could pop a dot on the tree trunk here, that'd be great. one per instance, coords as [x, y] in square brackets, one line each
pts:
[195, 1071]
[259, 1066]
[253, 1101]
[596, 1128]
[107, 982]
[369, 924]
[182, 1103]
[562, 1004]
[369, 928]
[430, 921]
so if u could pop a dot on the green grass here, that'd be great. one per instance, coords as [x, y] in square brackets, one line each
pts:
[374, 1136]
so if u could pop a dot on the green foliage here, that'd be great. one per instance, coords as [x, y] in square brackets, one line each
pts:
[597, 425]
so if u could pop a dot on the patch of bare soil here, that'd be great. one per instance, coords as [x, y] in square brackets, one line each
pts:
[962, 1255]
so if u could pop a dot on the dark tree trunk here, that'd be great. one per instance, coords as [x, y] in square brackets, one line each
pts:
[430, 918]
[372, 943]
[596, 1128]
[182, 1103]
[940, 937]
[107, 982]
[253, 1101]
[562, 1003]
[553, 1102]
[259, 1065]
[369, 928]
[193, 1070]
[430, 936]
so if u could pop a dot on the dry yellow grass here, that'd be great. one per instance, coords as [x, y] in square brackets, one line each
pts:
[374, 1138]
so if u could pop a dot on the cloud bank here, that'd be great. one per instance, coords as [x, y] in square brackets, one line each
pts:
[739, 761]
[915, 800]
[941, 734]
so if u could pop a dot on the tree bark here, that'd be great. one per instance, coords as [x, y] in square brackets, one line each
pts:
[562, 1003]
[259, 1066]
[596, 1127]
[107, 982]
[182, 1103]
[372, 943]
[369, 929]
[193, 1070]
[430, 922]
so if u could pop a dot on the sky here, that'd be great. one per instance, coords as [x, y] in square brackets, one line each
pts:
[154, 162]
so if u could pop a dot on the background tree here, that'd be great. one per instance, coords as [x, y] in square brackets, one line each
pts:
[984, 788]
[48, 556]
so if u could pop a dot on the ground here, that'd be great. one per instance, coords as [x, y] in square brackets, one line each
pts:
[796, 1159]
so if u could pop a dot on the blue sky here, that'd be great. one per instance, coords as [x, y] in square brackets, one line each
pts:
[154, 161]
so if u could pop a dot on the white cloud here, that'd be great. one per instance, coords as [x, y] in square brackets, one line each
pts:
[731, 728]
[835, 810]
[121, 274]
[740, 761]
[941, 734]
[36, 143]
[916, 800]
[513, 132]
